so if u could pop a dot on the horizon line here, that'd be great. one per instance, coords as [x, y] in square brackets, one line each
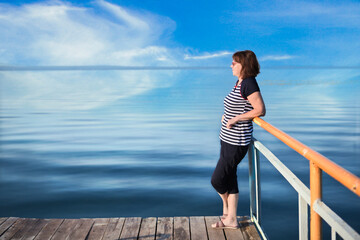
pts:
[120, 67]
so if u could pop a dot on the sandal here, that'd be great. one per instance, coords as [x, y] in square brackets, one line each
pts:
[221, 225]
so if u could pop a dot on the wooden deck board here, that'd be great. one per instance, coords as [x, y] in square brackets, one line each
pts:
[114, 228]
[28, 224]
[98, 229]
[7, 224]
[248, 228]
[181, 228]
[49, 229]
[3, 219]
[65, 229]
[82, 229]
[214, 234]
[198, 228]
[164, 229]
[148, 228]
[16, 226]
[151, 228]
[131, 228]
[31, 234]
[234, 234]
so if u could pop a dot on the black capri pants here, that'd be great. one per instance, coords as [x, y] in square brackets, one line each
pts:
[224, 178]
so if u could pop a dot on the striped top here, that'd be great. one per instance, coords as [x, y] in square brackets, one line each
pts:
[235, 103]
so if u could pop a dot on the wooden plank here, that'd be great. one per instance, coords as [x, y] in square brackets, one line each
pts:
[31, 234]
[214, 234]
[164, 229]
[65, 229]
[3, 219]
[98, 229]
[148, 228]
[198, 228]
[26, 226]
[7, 224]
[49, 229]
[131, 228]
[16, 226]
[181, 228]
[232, 234]
[114, 228]
[248, 228]
[82, 229]
[184, 228]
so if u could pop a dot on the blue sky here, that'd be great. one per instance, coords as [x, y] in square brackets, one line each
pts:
[167, 33]
[297, 32]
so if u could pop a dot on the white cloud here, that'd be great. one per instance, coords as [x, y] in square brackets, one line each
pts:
[208, 55]
[226, 53]
[340, 14]
[276, 57]
[122, 14]
[60, 34]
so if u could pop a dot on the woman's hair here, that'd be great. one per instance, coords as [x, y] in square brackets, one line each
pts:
[249, 63]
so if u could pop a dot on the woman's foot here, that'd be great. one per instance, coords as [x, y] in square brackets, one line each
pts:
[221, 225]
[223, 216]
[230, 221]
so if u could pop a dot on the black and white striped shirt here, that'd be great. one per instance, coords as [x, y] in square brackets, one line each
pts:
[236, 103]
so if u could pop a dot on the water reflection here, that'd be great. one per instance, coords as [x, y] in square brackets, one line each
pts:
[152, 153]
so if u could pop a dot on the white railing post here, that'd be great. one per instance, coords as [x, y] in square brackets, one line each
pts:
[257, 184]
[303, 218]
[251, 179]
[333, 234]
[254, 183]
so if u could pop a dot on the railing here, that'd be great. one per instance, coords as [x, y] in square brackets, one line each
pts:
[306, 196]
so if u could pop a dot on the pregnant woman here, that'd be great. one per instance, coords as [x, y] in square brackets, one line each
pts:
[242, 104]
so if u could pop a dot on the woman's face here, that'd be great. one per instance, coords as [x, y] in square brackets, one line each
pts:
[236, 69]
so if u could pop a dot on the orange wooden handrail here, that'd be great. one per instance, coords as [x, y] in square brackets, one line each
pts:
[318, 163]
[343, 176]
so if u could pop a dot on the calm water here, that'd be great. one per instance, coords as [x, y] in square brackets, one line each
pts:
[153, 153]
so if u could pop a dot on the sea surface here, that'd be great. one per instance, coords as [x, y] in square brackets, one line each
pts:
[152, 153]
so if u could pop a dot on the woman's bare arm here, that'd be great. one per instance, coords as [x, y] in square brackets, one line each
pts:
[259, 110]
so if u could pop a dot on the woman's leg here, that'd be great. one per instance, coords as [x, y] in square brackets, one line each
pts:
[233, 196]
[224, 180]
[224, 198]
[219, 179]
[232, 202]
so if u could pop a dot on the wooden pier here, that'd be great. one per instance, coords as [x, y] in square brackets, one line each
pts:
[176, 228]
